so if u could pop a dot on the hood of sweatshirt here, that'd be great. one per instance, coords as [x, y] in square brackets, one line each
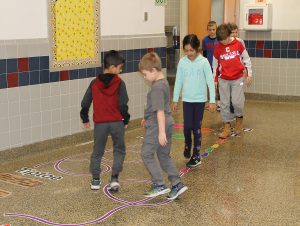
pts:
[108, 84]
[198, 59]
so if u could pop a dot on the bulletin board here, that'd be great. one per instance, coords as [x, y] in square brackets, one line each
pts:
[74, 34]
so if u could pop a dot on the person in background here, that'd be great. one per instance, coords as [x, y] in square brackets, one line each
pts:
[235, 33]
[208, 45]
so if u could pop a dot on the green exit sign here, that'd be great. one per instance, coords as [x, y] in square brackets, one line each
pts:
[160, 2]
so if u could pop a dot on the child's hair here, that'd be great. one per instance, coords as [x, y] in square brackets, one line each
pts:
[192, 40]
[113, 58]
[223, 32]
[149, 61]
[211, 23]
[232, 26]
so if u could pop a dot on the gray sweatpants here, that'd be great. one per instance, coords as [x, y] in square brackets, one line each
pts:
[101, 132]
[151, 147]
[235, 89]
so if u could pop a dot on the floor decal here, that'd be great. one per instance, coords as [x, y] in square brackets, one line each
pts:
[82, 144]
[203, 129]
[125, 204]
[143, 202]
[140, 137]
[25, 171]
[58, 168]
[177, 136]
[19, 180]
[4, 193]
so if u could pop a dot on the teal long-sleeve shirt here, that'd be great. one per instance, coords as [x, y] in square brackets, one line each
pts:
[192, 78]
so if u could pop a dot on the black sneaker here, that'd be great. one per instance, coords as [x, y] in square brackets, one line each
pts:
[187, 152]
[194, 161]
[95, 184]
[177, 190]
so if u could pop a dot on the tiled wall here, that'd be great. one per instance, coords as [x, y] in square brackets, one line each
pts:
[275, 57]
[38, 105]
[172, 13]
[26, 71]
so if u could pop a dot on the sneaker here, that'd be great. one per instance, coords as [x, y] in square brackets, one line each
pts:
[114, 185]
[187, 152]
[218, 108]
[194, 161]
[95, 184]
[177, 190]
[157, 190]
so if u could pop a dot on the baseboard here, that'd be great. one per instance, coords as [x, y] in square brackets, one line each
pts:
[271, 97]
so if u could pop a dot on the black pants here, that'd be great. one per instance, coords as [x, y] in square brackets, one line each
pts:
[193, 115]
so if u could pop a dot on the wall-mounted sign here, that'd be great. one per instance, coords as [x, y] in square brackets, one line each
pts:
[160, 2]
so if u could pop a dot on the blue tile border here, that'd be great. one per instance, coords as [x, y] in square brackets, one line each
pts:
[273, 49]
[38, 68]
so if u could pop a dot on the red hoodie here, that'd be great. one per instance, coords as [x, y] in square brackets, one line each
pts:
[105, 100]
[229, 61]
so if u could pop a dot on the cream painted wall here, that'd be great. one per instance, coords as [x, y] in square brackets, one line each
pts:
[23, 19]
[285, 14]
[27, 19]
[120, 17]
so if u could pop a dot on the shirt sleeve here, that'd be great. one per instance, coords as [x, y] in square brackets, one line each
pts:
[86, 103]
[178, 82]
[209, 82]
[123, 103]
[215, 65]
[246, 60]
[204, 45]
[157, 98]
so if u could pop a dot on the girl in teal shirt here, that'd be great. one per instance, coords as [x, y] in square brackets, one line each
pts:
[192, 78]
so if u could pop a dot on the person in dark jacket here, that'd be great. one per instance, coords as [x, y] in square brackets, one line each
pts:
[109, 96]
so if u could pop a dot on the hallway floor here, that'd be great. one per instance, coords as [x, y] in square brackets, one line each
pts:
[249, 180]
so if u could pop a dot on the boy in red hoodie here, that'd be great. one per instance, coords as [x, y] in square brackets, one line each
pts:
[230, 58]
[109, 96]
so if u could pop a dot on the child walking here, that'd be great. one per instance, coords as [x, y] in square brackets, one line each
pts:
[109, 96]
[158, 122]
[230, 57]
[235, 32]
[208, 46]
[193, 76]
[210, 41]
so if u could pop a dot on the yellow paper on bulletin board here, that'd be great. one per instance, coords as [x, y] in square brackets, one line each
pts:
[74, 33]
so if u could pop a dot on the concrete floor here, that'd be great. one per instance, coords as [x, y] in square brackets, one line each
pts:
[248, 180]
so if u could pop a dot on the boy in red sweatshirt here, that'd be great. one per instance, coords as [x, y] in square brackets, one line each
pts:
[109, 96]
[230, 58]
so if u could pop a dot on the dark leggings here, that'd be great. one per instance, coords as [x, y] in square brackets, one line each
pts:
[193, 115]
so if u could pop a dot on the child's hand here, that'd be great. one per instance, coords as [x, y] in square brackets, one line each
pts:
[174, 107]
[248, 80]
[126, 126]
[162, 138]
[216, 85]
[143, 123]
[86, 125]
[212, 107]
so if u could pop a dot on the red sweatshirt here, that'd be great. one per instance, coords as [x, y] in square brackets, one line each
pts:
[230, 60]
